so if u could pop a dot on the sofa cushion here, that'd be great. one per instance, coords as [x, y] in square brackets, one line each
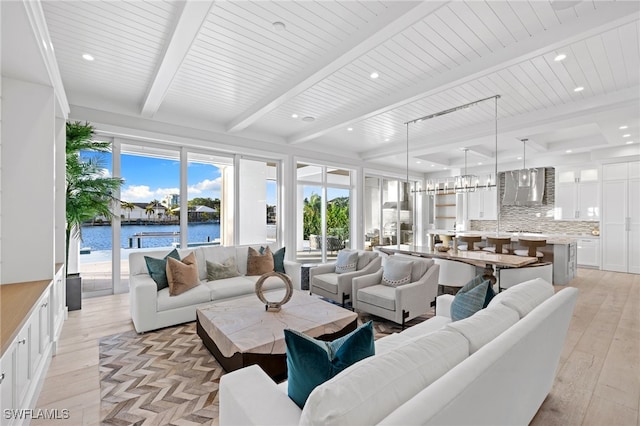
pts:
[158, 268]
[472, 297]
[484, 326]
[420, 265]
[382, 296]
[396, 272]
[371, 389]
[182, 275]
[524, 297]
[364, 258]
[426, 327]
[347, 261]
[258, 264]
[230, 287]
[327, 282]
[195, 296]
[226, 269]
[311, 362]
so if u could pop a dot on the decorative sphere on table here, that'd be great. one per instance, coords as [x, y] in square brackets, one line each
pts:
[274, 306]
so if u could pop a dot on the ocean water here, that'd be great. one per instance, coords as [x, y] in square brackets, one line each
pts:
[98, 238]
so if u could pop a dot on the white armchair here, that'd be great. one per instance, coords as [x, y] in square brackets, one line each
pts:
[325, 282]
[404, 302]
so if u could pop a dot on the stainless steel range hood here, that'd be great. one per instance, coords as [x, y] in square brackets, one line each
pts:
[530, 194]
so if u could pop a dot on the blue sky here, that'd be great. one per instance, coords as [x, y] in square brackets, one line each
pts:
[149, 178]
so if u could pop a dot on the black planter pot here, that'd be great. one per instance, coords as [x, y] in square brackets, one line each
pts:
[74, 292]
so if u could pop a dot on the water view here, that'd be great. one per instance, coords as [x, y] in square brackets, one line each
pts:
[98, 238]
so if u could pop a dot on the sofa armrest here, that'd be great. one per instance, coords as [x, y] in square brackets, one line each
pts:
[443, 305]
[323, 268]
[143, 302]
[249, 397]
[292, 269]
[362, 282]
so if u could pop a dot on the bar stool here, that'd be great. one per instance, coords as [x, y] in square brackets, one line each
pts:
[497, 243]
[531, 248]
[470, 240]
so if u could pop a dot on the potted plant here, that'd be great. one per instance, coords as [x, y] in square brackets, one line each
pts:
[89, 193]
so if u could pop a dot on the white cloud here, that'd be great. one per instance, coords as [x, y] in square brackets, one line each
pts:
[206, 185]
[144, 194]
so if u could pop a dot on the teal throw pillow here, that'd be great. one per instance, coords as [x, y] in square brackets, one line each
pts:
[278, 259]
[474, 296]
[311, 362]
[158, 268]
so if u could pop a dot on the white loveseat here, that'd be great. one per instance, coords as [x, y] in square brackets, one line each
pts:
[493, 368]
[152, 309]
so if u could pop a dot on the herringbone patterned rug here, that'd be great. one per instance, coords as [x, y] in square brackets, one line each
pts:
[169, 377]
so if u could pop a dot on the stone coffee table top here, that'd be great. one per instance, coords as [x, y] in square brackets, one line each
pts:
[243, 325]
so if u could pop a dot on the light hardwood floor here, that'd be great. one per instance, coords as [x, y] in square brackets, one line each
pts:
[598, 380]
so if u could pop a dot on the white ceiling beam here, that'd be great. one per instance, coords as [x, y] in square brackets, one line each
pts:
[366, 40]
[190, 21]
[550, 40]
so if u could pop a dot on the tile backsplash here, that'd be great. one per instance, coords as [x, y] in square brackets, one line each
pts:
[534, 218]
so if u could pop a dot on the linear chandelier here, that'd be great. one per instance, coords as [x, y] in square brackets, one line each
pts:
[464, 182]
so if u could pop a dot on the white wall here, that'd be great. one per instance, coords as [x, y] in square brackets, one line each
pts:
[60, 184]
[28, 136]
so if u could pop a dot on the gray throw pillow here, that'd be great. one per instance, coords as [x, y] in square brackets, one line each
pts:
[347, 261]
[396, 272]
[220, 271]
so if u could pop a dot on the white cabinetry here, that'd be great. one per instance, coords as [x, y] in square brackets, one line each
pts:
[589, 252]
[482, 204]
[26, 357]
[577, 194]
[620, 229]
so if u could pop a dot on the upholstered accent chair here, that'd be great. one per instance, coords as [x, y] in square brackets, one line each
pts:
[326, 282]
[394, 300]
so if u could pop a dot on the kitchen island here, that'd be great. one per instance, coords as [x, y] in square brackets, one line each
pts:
[560, 250]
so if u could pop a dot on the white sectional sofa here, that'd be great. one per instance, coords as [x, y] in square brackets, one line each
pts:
[493, 368]
[152, 309]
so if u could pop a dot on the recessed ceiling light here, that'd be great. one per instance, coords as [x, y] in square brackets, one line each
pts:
[374, 75]
[626, 135]
[387, 139]
[418, 162]
[568, 151]
[629, 142]
[578, 89]
[518, 158]
[623, 127]
[560, 57]
[294, 115]
[279, 26]
[479, 163]
[433, 165]
[87, 57]
[349, 129]
[308, 119]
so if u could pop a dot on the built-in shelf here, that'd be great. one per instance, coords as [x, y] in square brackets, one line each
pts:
[446, 205]
[445, 217]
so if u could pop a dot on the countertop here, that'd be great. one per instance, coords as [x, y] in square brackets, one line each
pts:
[515, 236]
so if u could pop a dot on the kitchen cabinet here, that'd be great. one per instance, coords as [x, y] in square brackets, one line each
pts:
[28, 346]
[588, 250]
[482, 204]
[620, 228]
[577, 194]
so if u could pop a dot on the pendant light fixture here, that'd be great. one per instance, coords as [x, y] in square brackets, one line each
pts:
[465, 182]
[524, 175]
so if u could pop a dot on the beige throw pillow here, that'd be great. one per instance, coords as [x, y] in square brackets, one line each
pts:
[182, 275]
[220, 271]
[258, 264]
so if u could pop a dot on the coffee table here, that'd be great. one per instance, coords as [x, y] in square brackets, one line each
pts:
[240, 332]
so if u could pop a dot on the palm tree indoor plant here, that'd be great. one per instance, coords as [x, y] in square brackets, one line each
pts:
[89, 193]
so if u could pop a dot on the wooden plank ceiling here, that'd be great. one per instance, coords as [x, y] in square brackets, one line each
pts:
[229, 64]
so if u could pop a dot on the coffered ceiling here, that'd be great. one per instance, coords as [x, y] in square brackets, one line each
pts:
[299, 74]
